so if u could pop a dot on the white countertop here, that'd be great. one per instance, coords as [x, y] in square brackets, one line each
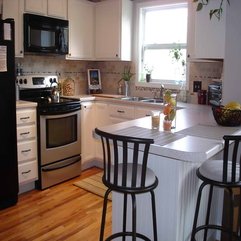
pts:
[196, 137]
[25, 104]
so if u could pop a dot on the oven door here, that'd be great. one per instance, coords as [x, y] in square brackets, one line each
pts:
[59, 137]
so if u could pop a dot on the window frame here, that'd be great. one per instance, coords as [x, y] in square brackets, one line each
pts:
[137, 48]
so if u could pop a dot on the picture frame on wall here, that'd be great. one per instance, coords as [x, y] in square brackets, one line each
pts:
[94, 80]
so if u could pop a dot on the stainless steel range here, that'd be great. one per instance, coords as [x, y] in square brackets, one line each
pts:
[58, 118]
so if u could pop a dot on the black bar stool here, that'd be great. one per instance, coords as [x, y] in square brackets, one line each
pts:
[127, 174]
[225, 174]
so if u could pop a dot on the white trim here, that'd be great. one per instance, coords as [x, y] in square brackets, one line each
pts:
[137, 33]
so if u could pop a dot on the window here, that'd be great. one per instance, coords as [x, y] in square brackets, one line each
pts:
[162, 41]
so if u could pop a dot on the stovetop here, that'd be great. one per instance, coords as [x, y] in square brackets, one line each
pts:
[40, 88]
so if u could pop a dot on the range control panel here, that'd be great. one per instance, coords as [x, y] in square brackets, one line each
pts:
[37, 81]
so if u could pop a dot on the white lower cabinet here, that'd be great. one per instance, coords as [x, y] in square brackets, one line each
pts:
[143, 111]
[27, 145]
[120, 113]
[27, 171]
[98, 114]
[101, 119]
[87, 126]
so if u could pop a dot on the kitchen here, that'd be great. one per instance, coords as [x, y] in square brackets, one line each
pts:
[111, 70]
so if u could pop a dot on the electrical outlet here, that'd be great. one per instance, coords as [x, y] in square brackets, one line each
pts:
[197, 85]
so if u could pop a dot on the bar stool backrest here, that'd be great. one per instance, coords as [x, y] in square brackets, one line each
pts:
[119, 163]
[232, 159]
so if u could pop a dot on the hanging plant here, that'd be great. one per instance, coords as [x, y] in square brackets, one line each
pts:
[217, 12]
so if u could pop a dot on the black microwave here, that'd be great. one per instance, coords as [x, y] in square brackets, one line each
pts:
[45, 35]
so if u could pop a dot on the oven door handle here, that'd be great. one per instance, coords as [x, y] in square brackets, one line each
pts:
[59, 166]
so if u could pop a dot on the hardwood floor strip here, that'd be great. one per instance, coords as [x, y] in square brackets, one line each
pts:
[63, 212]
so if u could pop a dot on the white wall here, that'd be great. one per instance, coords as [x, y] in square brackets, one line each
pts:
[232, 60]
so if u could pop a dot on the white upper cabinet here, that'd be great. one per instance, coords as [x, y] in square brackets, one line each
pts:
[51, 8]
[113, 21]
[57, 8]
[210, 34]
[33, 6]
[14, 9]
[81, 29]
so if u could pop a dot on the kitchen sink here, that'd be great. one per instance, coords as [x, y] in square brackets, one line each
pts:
[134, 98]
[153, 100]
[143, 99]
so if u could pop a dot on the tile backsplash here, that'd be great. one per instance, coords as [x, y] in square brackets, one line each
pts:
[77, 70]
[111, 72]
[204, 72]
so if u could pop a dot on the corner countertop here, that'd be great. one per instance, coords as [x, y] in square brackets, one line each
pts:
[196, 137]
[25, 104]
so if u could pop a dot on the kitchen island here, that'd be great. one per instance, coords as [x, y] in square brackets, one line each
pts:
[174, 157]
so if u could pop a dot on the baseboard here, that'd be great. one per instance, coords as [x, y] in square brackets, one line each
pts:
[92, 163]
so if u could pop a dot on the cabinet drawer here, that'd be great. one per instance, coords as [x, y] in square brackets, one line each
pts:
[26, 132]
[126, 112]
[26, 116]
[27, 151]
[27, 172]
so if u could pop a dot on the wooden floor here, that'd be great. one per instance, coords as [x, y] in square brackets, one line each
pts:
[63, 212]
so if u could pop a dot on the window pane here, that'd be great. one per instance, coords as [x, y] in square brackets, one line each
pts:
[166, 26]
[164, 67]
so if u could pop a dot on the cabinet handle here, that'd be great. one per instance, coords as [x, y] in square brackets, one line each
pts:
[25, 118]
[24, 151]
[24, 133]
[26, 172]
[120, 111]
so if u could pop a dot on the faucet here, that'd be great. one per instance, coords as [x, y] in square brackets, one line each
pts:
[154, 92]
[161, 91]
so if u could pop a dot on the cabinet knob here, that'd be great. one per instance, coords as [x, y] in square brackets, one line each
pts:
[117, 55]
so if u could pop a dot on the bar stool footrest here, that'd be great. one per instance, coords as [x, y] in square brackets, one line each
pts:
[127, 234]
[214, 227]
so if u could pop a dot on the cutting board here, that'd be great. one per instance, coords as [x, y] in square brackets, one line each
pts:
[108, 95]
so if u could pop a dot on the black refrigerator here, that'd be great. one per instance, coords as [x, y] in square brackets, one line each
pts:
[8, 144]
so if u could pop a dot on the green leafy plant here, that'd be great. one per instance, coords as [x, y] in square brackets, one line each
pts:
[177, 56]
[127, 74]
[178, 59]
[148, 69]
[217, 12]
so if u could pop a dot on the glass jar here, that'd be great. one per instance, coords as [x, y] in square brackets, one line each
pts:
[68, 87]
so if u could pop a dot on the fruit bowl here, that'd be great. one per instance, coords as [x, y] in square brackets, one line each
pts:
[226, 117]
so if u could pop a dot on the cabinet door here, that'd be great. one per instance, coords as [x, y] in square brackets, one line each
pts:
[81, 29]
[14, 9]
[101, 119]
[87, 127]
[121, 112]
[142, 112]
[33, 6]
[108, 27]
[57, 8]
[210, 34]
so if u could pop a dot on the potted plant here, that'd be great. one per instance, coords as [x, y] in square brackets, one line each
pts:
[126, 77]
[148, 70]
